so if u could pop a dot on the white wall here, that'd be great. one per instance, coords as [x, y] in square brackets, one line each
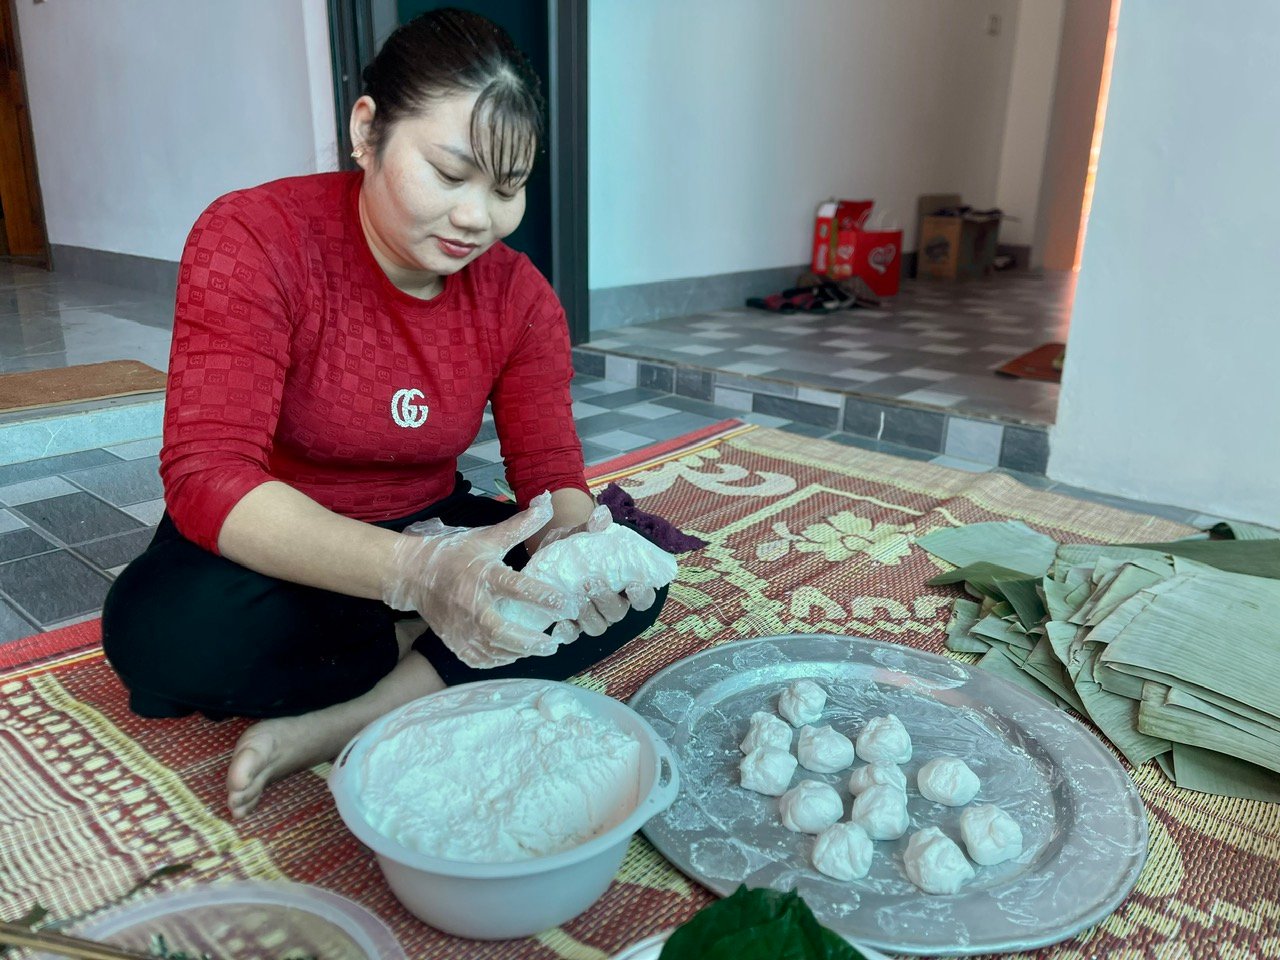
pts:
[716, 126]
[1026, 125]
[146, 110]
[1170, 391]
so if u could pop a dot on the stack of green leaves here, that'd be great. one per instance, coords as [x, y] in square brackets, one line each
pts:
[759, 924]
[1172, 650]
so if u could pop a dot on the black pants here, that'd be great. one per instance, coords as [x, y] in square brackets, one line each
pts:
[188, 630]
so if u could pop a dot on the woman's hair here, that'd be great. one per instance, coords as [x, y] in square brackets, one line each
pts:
[448, 52]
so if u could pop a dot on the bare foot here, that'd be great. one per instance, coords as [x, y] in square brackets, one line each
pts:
[272, 749]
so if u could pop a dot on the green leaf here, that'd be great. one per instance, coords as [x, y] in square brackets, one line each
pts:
[757, 925]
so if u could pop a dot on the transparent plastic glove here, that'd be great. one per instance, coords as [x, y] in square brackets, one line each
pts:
[453, 576]
[603, 607]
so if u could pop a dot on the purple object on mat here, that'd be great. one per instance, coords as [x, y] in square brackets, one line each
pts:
[660, 531]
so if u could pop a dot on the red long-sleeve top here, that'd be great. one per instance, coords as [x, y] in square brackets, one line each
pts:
[294, 358]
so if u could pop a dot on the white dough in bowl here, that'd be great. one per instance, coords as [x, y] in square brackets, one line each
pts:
[948, 780]
[934, 863]
[990, 835]
[843, 852]
[617, 555]
[766, 730]
[881, 810]
[884, 738]
[802, 702]
[878, 772]
[823, 749]
[493, 780]
[810, 807]
[767, 770]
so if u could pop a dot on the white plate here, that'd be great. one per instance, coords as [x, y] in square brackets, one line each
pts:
[1084, 827]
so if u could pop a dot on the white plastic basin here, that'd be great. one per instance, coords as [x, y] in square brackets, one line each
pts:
[498, 901]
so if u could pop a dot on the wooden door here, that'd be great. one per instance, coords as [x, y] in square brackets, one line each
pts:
[19, 190]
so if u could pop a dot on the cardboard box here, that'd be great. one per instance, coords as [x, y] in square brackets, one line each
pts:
[843, 248]
[957, 247]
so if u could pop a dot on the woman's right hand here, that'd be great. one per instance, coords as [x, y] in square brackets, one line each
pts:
[451, 576]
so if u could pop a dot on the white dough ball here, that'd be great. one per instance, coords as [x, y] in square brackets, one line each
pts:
[948, 780]
[990, 835]
[934, 863]
[881, 810]
[802, 702]
[766, 730]
[810, 807]
[843, 852]
[823, 750]
[884, 738]
[880, 772]
[767, 770]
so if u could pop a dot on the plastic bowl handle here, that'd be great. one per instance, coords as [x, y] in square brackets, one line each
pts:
[667, 787]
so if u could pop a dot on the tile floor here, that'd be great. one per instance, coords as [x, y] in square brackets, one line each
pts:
[69, 524]
[935, 345]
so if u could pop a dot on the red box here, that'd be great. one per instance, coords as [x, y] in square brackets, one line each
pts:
[842, 248]
[877, 259]
[834, 236]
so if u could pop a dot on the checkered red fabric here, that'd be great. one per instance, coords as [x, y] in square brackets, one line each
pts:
[294, 358]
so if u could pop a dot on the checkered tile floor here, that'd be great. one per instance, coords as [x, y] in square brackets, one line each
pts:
[936, 344]
[69, 524]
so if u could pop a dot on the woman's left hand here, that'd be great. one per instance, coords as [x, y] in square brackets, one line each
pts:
[604, 607]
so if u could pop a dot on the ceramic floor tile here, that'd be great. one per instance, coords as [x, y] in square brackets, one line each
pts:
[25, 542]
[761, 350]
[646, 411]
[673, 426]
[621, 398]
[582, 409]
[52, 466]
[52, 587]
[77, 518]
[135, 450]
[956, 463]
[859, 376]
[623, 440]
[10, 522]
[149, 512]
[933, 398]
[487, 451]
[122, 483]
[17, 494]
[13, 626]
[604, 422]
[749, 368]
[116, 551]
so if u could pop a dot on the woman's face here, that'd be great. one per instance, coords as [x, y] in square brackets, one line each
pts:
[427, 207]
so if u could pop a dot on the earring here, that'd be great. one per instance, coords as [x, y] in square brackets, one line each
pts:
[357, 153]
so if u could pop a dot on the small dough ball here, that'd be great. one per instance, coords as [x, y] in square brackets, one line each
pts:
[823, 750]
[948, 780]
[810, 807]
[990, 835]
[884, 738]
[767, 770]
[802, 702]
[934, 863]
[843, 852]
[881, 772]
[766, 730]
[881, 810]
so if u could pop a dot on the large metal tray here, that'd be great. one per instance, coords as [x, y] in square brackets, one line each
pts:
[1083, 824]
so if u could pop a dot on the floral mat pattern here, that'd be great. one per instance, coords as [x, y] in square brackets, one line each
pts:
[803, 536]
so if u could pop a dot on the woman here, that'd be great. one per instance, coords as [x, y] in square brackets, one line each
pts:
[336, 339]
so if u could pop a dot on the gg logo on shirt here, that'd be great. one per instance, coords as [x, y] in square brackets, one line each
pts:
[405, 412]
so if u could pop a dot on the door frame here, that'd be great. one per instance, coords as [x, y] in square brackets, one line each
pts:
[23, 206]
[351, 37]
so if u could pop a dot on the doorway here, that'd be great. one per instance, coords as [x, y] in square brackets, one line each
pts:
[23, 237]
[553, 35]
